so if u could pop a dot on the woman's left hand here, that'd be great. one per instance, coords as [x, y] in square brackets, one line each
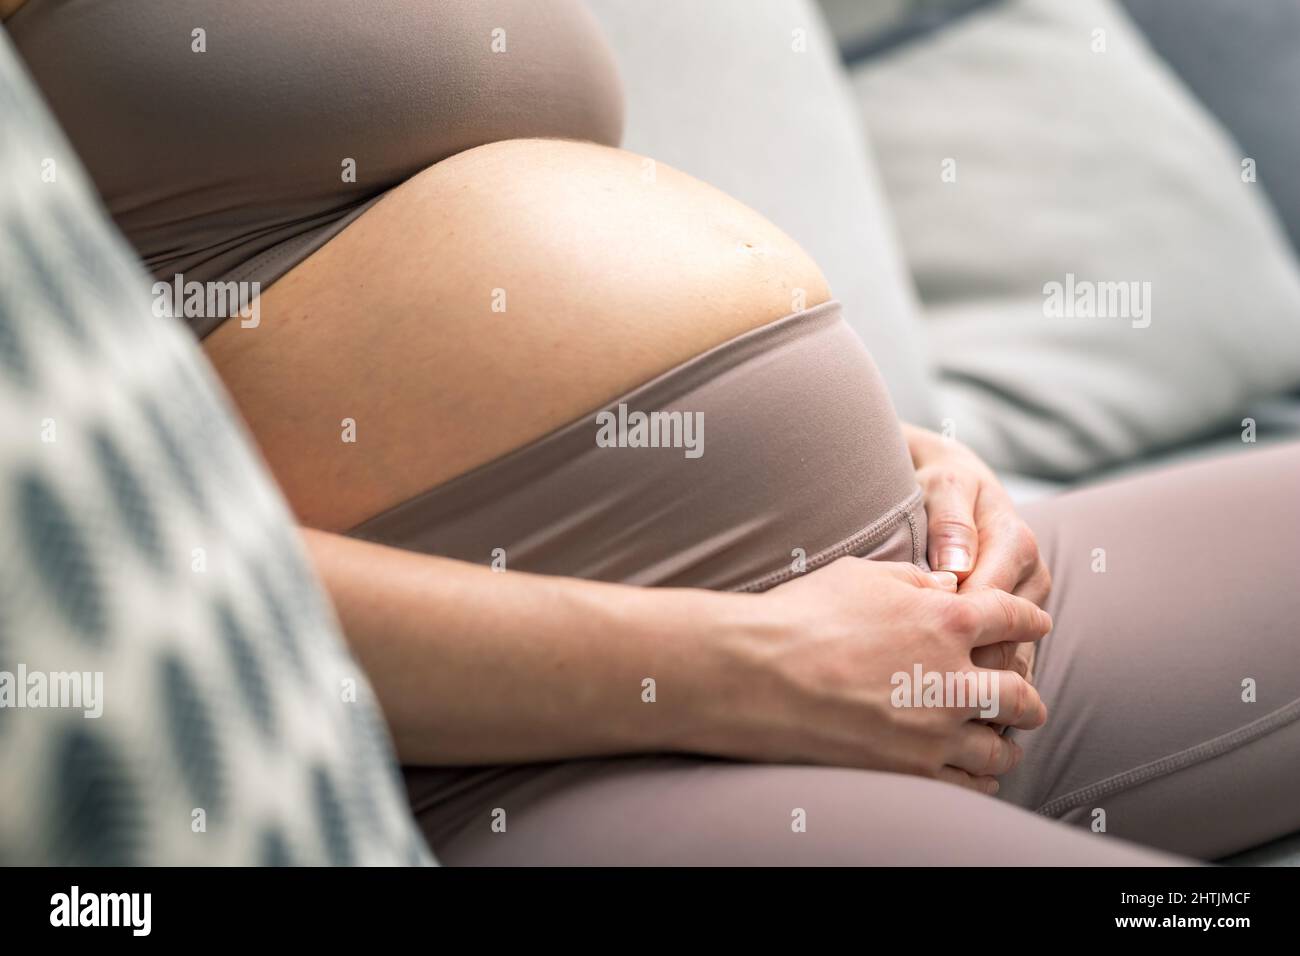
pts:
[975, 532]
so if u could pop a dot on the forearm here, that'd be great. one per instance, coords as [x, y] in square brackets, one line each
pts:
[473, 666]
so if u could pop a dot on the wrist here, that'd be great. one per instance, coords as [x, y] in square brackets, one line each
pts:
[722, 643]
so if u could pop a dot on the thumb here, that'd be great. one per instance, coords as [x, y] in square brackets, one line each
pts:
[952, 541]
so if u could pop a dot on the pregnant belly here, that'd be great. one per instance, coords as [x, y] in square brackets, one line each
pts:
[486, 302]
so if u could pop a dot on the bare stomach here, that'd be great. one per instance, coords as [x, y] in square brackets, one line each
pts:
[487, 301]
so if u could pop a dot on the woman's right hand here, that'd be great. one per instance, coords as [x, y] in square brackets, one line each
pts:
[811, 666]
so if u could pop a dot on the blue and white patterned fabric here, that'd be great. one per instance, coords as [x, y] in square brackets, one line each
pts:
[173, 686]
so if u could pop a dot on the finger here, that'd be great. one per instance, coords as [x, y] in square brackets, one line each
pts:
[1037, 587]
[983, 752]
[1009, 552]
[985, 785]
[952, 543]
[946, 580]
[1014, 701]
[999, 616]
[941, 580]
[1027, 654]
[997, 568]
[1003, 656]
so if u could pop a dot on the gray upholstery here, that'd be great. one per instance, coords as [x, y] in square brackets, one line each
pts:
[1242, 59]
[1097, 281]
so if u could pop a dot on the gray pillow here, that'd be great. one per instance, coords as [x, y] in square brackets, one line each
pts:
[752, 98]
[1243, 61]
[868, 29]
[1036, 152]
[173, 687]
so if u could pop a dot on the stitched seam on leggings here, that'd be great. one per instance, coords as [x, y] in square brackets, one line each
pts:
[1209, 749]
[879, 529]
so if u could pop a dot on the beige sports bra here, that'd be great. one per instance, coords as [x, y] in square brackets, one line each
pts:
[231, 140]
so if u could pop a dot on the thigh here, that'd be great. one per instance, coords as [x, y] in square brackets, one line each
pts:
[685, 811]
[490, 299]
[1172, 675]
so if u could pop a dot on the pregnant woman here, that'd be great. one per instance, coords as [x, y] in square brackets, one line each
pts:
[687, 659]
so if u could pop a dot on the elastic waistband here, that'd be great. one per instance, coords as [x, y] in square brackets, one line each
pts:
[765, 456]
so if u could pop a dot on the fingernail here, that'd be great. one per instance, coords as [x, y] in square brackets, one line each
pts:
[945, 578]
[993, 787]
[954, 559]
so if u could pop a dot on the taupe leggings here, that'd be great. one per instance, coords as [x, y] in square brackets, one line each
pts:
[1148, 733]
